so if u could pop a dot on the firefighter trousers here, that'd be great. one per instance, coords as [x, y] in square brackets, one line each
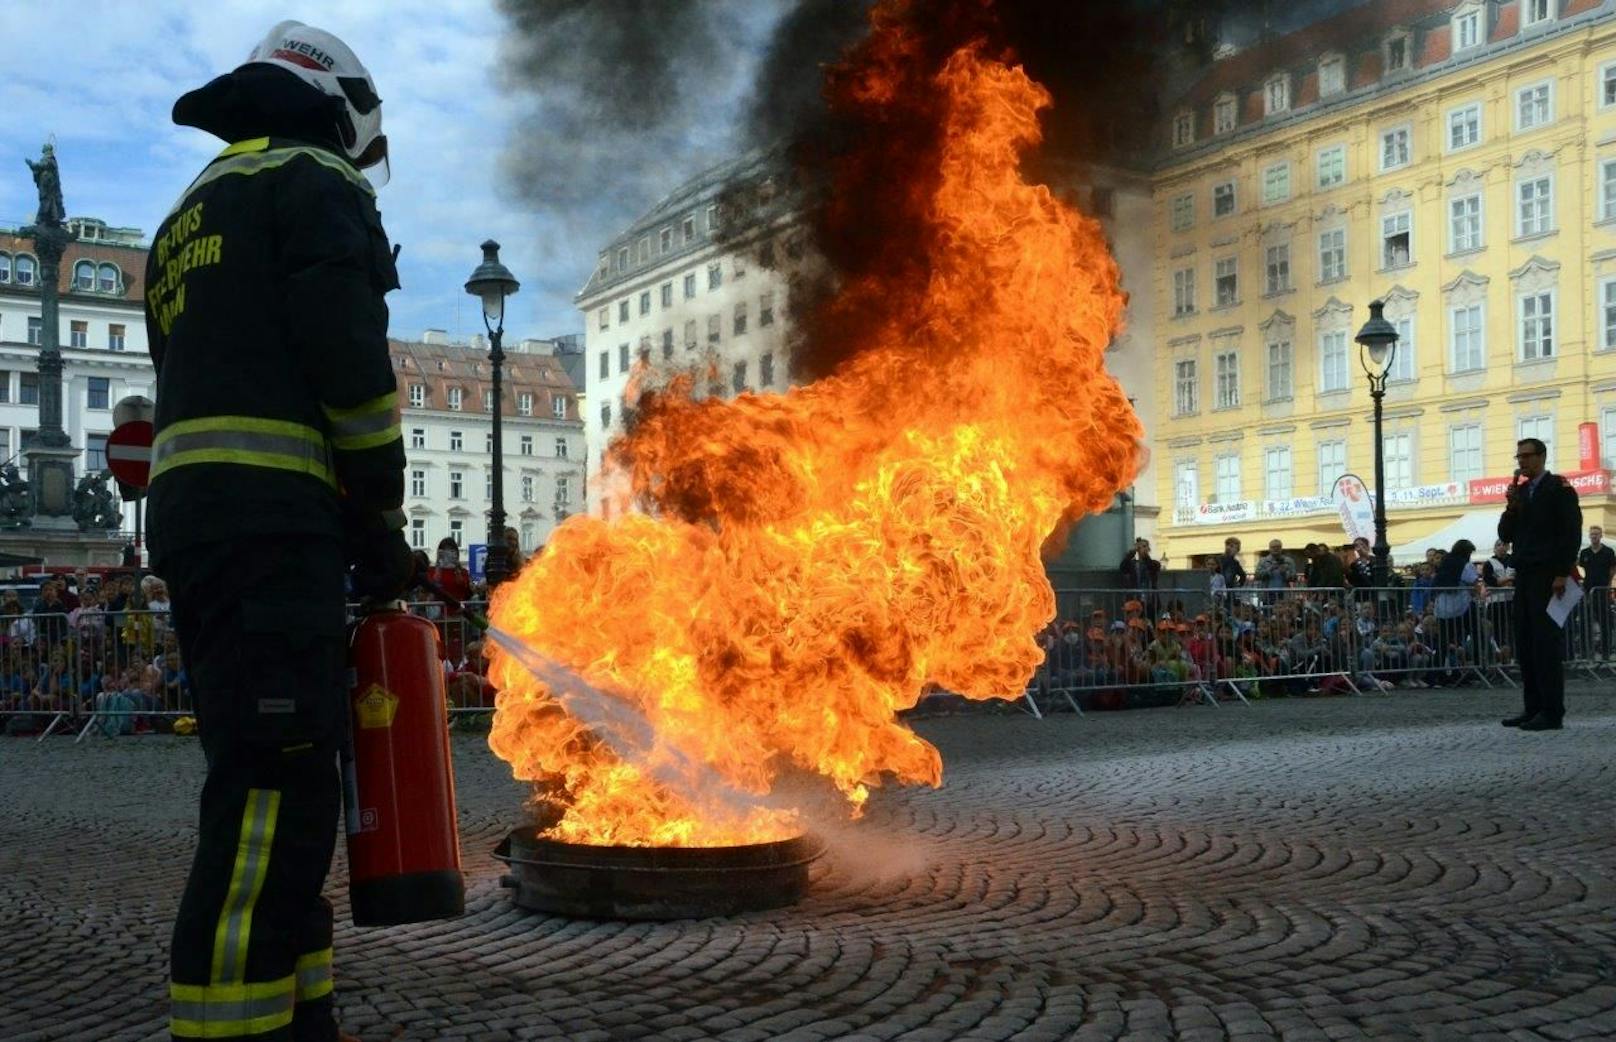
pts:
[261, 628]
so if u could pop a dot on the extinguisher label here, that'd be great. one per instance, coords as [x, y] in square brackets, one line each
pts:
[376, 707]
[369, 820]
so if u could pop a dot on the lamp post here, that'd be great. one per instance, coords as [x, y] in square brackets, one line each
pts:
[493, 282]
[1377, 341]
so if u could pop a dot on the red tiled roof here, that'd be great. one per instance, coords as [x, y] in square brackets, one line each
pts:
[131, 260]
[1578, 6]
[1438, 46]
[442, 366]
[1509, 22]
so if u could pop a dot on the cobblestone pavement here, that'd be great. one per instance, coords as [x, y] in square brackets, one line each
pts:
[1381, 867]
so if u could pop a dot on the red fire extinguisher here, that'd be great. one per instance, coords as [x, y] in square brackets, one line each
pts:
[403, 843]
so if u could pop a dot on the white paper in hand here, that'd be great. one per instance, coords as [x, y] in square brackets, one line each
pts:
[1560, 605]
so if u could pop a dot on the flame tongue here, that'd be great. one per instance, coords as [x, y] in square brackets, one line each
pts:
[820, 556]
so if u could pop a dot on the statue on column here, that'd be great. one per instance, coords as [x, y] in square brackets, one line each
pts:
[52, 213]
[93, 505]
[16, 499]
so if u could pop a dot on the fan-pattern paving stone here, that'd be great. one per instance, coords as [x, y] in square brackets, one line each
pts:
[1386, 867]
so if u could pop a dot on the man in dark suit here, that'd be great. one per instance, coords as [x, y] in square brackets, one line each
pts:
[1543, 523]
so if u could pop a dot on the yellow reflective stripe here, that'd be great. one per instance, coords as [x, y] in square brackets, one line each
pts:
[253, 847]
[366, 426]
[252, 144]
[313, 975]
[188, 1028]
[231, 1010]
[245, 458]
[243, 440]
[237, 424]
[250, 991]
[249, 163]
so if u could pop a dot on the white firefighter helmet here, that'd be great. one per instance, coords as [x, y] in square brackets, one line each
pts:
[321, 59]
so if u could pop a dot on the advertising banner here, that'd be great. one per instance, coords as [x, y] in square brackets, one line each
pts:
[1586, 482]
[1588, 446]
[1225, 513]
[1352, 501]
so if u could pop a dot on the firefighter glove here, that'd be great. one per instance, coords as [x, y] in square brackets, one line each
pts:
[384, 568]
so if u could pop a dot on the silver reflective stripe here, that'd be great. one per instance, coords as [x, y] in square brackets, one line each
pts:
[314, 981]
[253, 854]
[215, 1011]
[243, 441]
[257, 162]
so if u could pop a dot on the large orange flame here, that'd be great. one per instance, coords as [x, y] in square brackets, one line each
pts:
[811, 561]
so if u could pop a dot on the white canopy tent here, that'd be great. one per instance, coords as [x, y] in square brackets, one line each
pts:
[1478, 526]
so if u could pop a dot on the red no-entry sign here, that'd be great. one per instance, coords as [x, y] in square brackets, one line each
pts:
[129, 453]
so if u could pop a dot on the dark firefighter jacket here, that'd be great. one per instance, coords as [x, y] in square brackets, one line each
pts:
[268, 330]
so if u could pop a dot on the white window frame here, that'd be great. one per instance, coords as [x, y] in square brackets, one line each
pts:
[1338, 65]
[1226, 367]
[1528, 7]
[1607, 190]
[457, 397]
[1186, 493]
[561, 448]
[1399, 453]
[1606, 85]
[417, 533]
[1234, 199]
[418, 482]
[1547, 116]
[1183, 211]
[1607, 437]
[1406, 131]
[1467, 461]
[1479, 355]
[1277, 268]
[1279, 472]
[1227, 487]
[1531, 427]
[524, 445]
[1536, 341]
[1225, 106]
[1333, 346]
[528, 486]
[1184, 130]
[1276, 94]
[1386, 220]
[1276, 183]
[1404, 368]
[1542, 203]
[1474, 223]
[1218, 276]
[1281, 379]
[456, 441]
[1339, 153]
[1184, 292]
[1471, 19]
[1325, 451]
[1467, 118]
[457, 484]
[1186, 387]
[1325, 252]
[1408, 52]
[417, 396]
[1605, 320]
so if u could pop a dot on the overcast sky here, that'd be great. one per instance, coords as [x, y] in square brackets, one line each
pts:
[102, 76]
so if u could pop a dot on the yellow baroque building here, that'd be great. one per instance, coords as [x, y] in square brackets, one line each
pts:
[1457, 161]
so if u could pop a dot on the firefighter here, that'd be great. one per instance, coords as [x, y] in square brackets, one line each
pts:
[277, 466]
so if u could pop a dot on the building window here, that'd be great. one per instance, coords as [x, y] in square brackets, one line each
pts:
[667, 344]
[622, 358]
[1469, 338]
[95, 453]
[1332, 166]
[1541, 428]
[622, 310]
[527, 488]
[1183, 129]
[667, 294]
[456, 397]
[1464, 452]
[715, 328]
[1397, 53]
[1402, 370]
[563, 492]
[418, 533]
[84, 276]
[766, 309]
[417, 396]
[690, 334]
[1607, 190]
[690, 286]
[605, 364]
[645, 350]
[1223, 199]
[715, 276]
[645, 248]
[418, 483]
[1226, 281]
[457, 484]
[1465, 223]
[78, 334]
[1228, 476]
[1396, 240]
[1607, 305]
[5, 268]
[1276, 183]
[1394, 151]
[1332, 75]
[1186, 388]
[27, 391]
[488, 400]
[605, 316]
[561, 451]
[687, 229]
[1536, 206]
[1184, 291]
[5, 396]
[107, 279]
[1333, 255]
[645, 303]
[1534, 106]
[1534, 12]
[1277, 472]
[1186, 484]
[738, 378]
[1280, 384]
[1333, 362]
[740, 318]
[1332, 464]
[665, 240]
[766, 369]
[605, 415]
[524, 404]
[1607, 87]
[1399, 459]
[1228, 380]
[622, 258]
[1466, 30]
[417, 437]
[116, 337]
[100, 393]
[25, 267]
[524, 445]
[455, 441]
[1223, 116]
[1279, 268]
[1276, 95]
[1464, 127]
[36, 329]
[1537, 326]
[457, 531]
[1183, 212]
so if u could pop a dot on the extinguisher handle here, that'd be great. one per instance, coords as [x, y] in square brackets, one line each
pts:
[472, 616]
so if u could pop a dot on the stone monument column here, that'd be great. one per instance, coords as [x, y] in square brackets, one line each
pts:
[51, 455]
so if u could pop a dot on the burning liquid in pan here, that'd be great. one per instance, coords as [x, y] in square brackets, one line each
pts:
[813, 559]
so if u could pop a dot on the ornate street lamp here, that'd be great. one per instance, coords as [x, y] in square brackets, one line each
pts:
[493, 282]
[1377, 341]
